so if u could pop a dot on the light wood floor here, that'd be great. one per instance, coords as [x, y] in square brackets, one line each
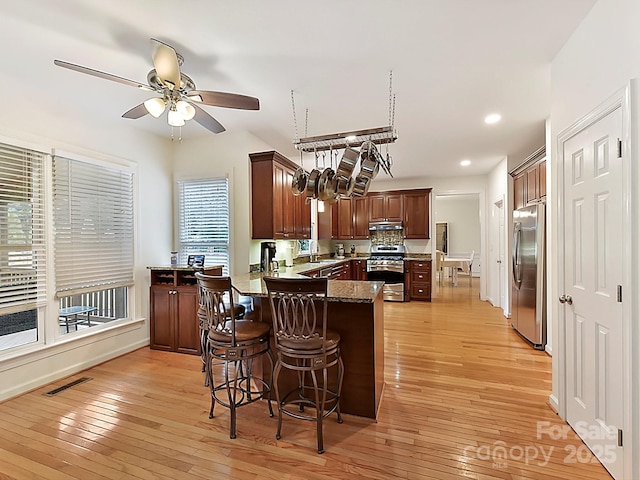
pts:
[464, 398]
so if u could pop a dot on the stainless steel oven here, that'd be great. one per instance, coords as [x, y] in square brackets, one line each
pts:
[387, 265]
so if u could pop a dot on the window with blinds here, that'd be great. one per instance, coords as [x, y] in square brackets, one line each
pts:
[93, 227]
[204, 220]
[22, 234]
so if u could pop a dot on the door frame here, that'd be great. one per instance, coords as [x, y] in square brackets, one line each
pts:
[630, 330]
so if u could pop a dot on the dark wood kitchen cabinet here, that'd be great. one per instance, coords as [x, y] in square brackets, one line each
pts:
[530, 180]
[173, 317]
[275, 212]
[416, 213]
[385, 207]
[418, 280]
[359, 269]
[342, 219]
[350, 218]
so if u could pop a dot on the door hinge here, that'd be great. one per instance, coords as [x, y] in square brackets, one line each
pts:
[619, 437]
[620, 293]
[619, 148]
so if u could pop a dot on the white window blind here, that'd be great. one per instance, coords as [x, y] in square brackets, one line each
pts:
[204, 220]
[93, 220]
[22, 229]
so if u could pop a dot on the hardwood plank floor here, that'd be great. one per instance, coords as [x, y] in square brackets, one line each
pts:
[464, 397]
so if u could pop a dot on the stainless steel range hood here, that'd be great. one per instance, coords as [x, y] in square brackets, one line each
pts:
[385, 226]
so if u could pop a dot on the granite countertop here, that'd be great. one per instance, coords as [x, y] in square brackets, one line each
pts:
[350, 291]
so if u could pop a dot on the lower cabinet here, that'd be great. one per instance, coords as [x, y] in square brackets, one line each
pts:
[358, 269]
[173, 310]
[418, 280]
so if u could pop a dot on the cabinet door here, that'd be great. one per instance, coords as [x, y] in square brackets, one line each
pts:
[345, 219]
[394, 210]
[360, 207]
[186, 321]
[161, 317]
[518, 192]
[279, 179]
[302, 217]
[531, 176]
[288, 206]
[542, 180]
[358, 269]
[416, 215]
[377, 209]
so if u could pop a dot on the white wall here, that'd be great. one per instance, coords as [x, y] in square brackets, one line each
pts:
[497, 192]
[36, 126]
[226, 154]
[601, 56]
[462, 213]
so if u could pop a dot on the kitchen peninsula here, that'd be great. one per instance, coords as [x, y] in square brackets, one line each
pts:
[356, 312]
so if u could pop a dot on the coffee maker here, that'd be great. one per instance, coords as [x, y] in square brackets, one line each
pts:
[267, 255]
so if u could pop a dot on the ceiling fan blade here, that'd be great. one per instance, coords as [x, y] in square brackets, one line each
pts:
[136, 112]
[97, 73]
[166, 63]
[222, 99]
[207, 121]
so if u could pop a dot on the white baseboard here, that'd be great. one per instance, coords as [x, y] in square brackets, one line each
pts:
[548, 349]
[553, 403]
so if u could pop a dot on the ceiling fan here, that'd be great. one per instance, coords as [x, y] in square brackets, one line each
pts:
[178, 93]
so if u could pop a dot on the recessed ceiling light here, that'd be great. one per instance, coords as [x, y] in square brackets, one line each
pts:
[465, 163]
[493, 118]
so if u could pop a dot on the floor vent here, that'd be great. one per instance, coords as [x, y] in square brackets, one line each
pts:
[68, 385]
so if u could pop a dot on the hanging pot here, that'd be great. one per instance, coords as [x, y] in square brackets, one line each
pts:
[347, 163]
[311, 188]
[344, 185]
[361, 186]
[299, 183]
[369, 166]
[326, 185]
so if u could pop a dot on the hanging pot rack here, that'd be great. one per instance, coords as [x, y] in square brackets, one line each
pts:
[338, 141]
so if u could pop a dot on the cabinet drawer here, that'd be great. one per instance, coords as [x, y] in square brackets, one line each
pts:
[424, 267]
[420, 276]
[420, 292]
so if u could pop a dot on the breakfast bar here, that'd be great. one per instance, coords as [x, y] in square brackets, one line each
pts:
[356, 312]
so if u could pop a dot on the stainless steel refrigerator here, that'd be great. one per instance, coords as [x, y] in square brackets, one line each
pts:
[528, 290]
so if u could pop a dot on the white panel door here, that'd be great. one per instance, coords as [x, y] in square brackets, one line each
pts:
[593, 270]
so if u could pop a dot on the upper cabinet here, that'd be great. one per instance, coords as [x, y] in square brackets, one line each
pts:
[385, 207]
[350, 216]
[275, 212]
[416, 213]
[530, 180]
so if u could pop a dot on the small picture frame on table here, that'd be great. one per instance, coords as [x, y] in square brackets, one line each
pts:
[195, 261]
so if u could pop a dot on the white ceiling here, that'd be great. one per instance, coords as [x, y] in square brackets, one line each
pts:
[453, 62]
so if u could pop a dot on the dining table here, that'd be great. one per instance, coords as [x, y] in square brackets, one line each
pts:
[458, 262]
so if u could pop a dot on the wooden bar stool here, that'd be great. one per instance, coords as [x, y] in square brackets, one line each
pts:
[306, 346]
[234, 343]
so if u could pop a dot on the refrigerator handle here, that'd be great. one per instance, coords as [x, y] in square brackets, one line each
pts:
[515, 256]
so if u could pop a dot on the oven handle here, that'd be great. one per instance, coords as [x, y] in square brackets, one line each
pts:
[385, 268]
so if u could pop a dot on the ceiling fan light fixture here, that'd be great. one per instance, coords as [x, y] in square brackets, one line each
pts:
[185, 109]
[155, 106]
[175, 119]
